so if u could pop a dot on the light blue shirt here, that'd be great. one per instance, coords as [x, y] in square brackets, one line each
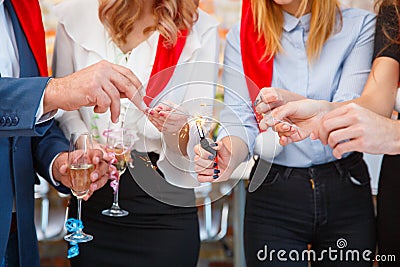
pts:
[338, 75]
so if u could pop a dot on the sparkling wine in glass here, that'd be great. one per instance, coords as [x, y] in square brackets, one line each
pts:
[80, 167]
[119, 143]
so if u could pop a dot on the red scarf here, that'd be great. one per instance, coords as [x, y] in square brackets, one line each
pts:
[30, 18]
[164, 66]
[258, 72]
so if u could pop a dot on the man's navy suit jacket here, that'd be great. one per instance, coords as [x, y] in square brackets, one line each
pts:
[25, 148]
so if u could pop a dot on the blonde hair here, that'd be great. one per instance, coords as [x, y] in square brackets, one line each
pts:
[172, 16]
[268, 19]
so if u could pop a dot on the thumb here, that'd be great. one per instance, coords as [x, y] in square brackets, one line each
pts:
[314, 135]
[63, 169]
[283, 112]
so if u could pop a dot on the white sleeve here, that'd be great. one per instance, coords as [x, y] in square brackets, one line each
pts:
[179, 170]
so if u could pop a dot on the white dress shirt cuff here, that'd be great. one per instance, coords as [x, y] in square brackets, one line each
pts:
[55, 183]
[40, 117]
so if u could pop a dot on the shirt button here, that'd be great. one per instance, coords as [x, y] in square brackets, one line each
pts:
[2, 121]
[8, 121]
[15, 121]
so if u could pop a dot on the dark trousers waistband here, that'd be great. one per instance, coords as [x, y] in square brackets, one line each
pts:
[340, 165]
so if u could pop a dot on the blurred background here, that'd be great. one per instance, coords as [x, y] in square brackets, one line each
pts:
[220, 222]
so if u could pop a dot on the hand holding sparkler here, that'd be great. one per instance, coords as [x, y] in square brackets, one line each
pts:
[168, 117]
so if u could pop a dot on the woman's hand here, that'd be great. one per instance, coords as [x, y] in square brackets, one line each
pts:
[204, 161]
[231, 151]
[168, 117]
[305, 114]
[270, 98]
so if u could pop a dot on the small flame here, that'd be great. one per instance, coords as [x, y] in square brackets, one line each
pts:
[199, 124]
[200, 121]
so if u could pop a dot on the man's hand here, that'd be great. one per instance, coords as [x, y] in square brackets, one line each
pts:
[100, 85]
[354, 128]
[99, 176]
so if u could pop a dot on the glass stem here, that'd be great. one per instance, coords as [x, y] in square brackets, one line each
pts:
[79, 212]
[115, 203]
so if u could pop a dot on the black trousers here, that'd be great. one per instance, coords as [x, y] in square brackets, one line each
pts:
[153, 234]
[328, 207]
[389, 211]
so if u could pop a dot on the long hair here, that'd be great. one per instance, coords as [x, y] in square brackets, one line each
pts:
[387, 25]
[172, 16]
[268, 19]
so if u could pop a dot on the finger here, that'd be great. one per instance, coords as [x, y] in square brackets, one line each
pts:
[101, 169]
[96, 155]
[203, 163]
[269, 96]
[128, 74]
[103, 101]
[115, 102]
[284, 112]
[205, 178]
[63, 169]
[265, 107]
[314, 134]
[204, 171]
[267, 121]
[345, 147]
[340, 135]
[330, 125]
[284, 140]
[196, 149]
[89, 194]
[99, 183]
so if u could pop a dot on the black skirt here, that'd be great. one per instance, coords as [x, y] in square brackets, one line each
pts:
[153, 234]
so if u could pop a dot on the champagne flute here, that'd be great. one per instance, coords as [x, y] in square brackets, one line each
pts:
[119, 142]
[80, 167]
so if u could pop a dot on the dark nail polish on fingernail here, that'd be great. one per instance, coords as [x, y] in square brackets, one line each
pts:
[215, 164]
[216, 171]
[211, 157]
[213, 145]
[256, 102]
[216, 176]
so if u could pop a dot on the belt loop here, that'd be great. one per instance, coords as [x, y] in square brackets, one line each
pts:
[311, 171]
[339, 168]
[287, 172]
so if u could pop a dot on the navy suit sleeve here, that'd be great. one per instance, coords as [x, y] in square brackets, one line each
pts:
[45, 148]
[19, 102]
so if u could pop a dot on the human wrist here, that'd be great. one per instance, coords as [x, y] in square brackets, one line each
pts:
[50, 96]
[396, 137]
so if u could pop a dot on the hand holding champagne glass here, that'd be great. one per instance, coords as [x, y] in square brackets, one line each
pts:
[81, 165]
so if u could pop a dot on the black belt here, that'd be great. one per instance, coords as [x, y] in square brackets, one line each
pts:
[13, 226]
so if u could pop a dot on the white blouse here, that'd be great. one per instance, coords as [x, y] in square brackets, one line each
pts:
[82, 41]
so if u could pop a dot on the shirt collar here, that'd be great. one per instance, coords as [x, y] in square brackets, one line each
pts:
[291, 22]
